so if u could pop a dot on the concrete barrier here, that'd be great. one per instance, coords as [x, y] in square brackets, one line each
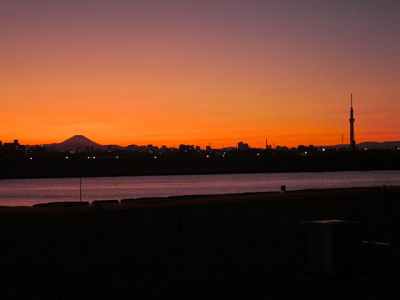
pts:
[143, 200]
[105, 203]
[62, 204]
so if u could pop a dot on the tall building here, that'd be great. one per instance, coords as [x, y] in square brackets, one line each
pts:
[352, 139]
[243, 146]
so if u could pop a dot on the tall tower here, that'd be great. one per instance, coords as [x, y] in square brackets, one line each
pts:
[352, 139]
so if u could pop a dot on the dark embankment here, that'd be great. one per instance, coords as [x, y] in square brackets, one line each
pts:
[248, 246]
[54, 164]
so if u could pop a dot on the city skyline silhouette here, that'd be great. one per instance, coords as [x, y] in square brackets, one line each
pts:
[79, 141]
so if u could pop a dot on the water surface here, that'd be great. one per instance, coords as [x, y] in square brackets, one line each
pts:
[15, 192]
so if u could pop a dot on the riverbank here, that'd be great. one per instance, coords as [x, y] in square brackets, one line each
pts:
[153, 173]
[245, 245]
[102, 164]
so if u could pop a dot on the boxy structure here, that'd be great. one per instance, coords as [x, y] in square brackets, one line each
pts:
[332, 248]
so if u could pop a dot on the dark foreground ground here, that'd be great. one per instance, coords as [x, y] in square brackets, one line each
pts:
[243, 246]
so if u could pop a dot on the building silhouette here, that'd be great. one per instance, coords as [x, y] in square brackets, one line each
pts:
[14, 145]
[243, 146]
[352, 138]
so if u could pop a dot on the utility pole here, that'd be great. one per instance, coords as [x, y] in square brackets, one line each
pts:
[80, 189]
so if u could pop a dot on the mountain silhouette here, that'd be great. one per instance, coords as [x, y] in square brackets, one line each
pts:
[77, 142]
[369, 145]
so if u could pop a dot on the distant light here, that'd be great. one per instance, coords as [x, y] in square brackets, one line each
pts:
[94, 157]
[30, 158]
[88, 157]
[155, 156]
[306, 153]
[365, 149]
[208, 156]
[117, 157]
[323, 149]
[66, 157]
[258, 154]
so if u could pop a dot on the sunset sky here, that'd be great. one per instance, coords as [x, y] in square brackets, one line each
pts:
[199, 71]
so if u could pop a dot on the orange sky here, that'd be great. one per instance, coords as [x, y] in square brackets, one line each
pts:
[192, 73]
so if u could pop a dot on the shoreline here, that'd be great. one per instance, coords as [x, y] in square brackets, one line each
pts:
[199, 174]
[193, 200]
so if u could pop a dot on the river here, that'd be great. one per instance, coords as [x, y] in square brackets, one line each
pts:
[18, 192]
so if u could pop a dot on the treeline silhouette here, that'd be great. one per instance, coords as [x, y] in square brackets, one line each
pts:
[39, 162]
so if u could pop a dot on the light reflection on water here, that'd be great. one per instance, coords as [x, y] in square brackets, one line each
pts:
[16, 192]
